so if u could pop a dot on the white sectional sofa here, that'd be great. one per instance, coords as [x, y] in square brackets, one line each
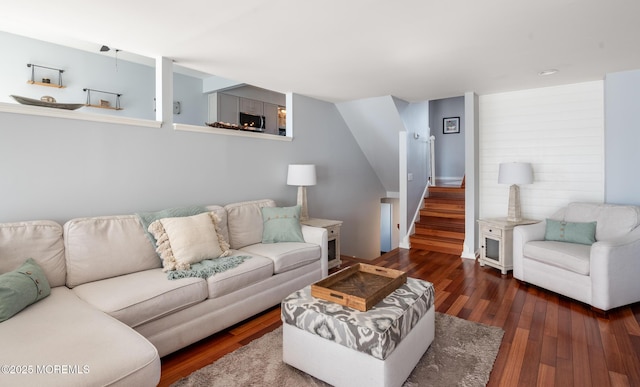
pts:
[601, 269]
[112, 312]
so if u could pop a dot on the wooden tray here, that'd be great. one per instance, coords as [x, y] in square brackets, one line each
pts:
[360, 286]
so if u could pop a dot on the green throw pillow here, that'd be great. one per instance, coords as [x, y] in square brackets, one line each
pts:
[583, 233]
[21, 288]
[281, 224]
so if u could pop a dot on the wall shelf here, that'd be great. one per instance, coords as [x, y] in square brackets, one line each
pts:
[103, 107]
[45, 84]
[103, 103]
[33, 81]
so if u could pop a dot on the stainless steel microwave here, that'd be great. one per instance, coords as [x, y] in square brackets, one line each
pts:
[251, 121]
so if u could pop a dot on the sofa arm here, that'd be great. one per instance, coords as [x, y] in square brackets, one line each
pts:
[522, 235]
[318, 236]
[615, 269]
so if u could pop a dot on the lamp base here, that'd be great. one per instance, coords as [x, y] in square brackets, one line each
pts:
[514, 214]
[302, 202]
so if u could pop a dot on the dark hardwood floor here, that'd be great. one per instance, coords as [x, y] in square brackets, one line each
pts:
[549, 340]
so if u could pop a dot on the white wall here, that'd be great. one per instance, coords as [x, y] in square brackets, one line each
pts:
[560, 130]
[622, 137]
[53, 168]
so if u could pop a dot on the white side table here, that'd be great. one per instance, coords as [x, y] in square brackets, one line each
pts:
[333, 237]
[496, 239]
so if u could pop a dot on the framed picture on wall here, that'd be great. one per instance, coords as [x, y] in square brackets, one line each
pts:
[451, 125]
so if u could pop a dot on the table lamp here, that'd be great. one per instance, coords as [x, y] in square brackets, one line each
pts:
[514, 174]
[302, 175]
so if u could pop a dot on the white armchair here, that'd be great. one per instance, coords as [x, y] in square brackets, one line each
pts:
[604, 275]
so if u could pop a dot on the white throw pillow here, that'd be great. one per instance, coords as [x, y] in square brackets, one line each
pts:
[182, 241]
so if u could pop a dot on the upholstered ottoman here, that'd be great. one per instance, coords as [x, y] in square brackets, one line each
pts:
[345, 347]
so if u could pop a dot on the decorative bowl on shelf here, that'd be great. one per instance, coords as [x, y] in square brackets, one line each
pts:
[47, 103]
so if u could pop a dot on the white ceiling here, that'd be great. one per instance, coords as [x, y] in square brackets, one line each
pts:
[339, 50]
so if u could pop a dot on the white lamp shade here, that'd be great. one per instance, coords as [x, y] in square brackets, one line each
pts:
[515, 173]
[301, 174]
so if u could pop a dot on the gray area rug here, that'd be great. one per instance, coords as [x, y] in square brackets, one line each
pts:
[462, 354]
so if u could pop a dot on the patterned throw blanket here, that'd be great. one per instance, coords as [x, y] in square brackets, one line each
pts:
[208, 267]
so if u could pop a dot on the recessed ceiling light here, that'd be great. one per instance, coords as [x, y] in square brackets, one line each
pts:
[544, 73]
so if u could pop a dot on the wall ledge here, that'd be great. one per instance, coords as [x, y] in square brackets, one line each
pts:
[230, 132]
[75, 115]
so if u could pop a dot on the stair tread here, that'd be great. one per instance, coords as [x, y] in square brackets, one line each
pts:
[441, 227]
[458, 238]
[444, 199]
[441, 223]
[444, 210]
[444, 205]
[444, 192]
[446, 188]
[443, 214]
[435, 238]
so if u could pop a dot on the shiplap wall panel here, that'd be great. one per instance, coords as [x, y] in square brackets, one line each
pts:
[559, 130]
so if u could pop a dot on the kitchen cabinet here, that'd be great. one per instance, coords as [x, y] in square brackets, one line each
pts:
[270, 118]
[223, 108]
[251, 106]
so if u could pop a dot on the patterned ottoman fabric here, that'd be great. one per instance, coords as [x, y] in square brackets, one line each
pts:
[375, 332]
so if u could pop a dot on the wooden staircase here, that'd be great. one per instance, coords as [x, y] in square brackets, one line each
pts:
[441, 224]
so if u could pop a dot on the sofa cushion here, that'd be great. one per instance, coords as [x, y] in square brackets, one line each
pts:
[244, 220]
[251, 271]
[22, 287]
[281, 224]
[569, 256]
[190, 239]
[286, 255]
[40, 240]
[571, 232]
[613, 220]
[144, 296]
[105, 247]
[63, 330]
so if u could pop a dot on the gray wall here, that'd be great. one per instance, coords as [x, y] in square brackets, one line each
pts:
[449, 149]
[348, 189]
[193, 103]
[376, 123]
[52, 168]
[83, 69]
[622, 137]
